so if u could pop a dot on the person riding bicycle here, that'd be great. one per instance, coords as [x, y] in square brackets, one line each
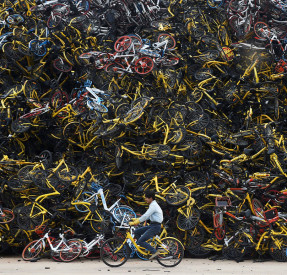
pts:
[155, 215]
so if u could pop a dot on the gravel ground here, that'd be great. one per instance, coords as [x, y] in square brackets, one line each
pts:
[14, 265]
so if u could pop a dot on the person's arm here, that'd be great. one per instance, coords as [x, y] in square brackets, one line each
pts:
[147, 214]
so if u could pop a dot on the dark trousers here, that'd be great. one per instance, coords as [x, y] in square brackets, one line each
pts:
[147, 232]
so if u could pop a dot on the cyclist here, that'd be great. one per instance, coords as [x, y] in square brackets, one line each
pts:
[155, 215]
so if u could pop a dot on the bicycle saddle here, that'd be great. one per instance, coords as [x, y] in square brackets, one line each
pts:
[247, 151]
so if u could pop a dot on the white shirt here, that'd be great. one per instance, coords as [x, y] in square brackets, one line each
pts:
[154, 213]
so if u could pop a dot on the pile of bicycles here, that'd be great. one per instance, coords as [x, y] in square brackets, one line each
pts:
[103, 100]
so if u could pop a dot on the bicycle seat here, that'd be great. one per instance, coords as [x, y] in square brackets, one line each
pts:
[270, 151]
[246, 214]
[247, 151]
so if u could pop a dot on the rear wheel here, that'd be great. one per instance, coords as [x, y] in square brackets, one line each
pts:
[172, 254]
[178, 197]
[72, 251]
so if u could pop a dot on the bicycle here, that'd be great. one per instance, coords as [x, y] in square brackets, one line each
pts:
[116, 251]
[62, 249]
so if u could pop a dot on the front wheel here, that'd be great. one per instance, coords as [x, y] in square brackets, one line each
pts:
[6, 215]
[172, 252]
[32, 250]
[114, 253]
[72, 251]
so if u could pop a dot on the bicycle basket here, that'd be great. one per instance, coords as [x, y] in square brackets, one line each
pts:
[271, 215]
[222, 202]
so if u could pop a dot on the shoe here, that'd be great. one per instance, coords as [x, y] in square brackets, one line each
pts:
[156, 254]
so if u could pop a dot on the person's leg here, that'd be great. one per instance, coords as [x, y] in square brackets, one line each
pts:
[140, 231]
[151, 231]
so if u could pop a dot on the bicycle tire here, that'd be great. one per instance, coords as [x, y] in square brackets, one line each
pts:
[165, 36]
[158, 151]
[24, 174]
[262, 30]
[278, 248]
[175, 252]
[26, 222]
[62, 65]
[54, 20]
[144, 65]
[179, 197]
[61, 8]
[55, 255]
[16, 185]
[35, 48]
[72, 251]
[85, 197]
[176, 135]
[67, 174]
[21, 125]
[133, 114]
[32, 250]
[188, 222]
[169, 61]
[237, 7]
[118, 258]
[122, 43]
[6, 216]
[97, 107]
[114, 68]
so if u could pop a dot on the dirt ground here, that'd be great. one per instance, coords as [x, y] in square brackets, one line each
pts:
[15, 265]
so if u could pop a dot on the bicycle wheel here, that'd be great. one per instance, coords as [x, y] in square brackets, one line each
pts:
[6, 215]
[188, 219]
[173, 252]
[144, 65]
[167, 37]
[262, 30]
[21, 125]
[62, 65]
[158, 151]
[123, 214]
[278, 248]
[97, 107]
[85, 197]
[176, 135]
[136, 41]
[32, 250]
[58, 98]
[67, 174]
[28, 219]
[114, 253]
[133, 114]
[24, 174]
[178, 197]
[122, 44]
[16, 185]
[114, 68]
[102, 60]
[238, 5]
[55, 255]
[237, 248]
[72, 251]
[169, 61]
[54, 20]
[36, 48]
[61, 8]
